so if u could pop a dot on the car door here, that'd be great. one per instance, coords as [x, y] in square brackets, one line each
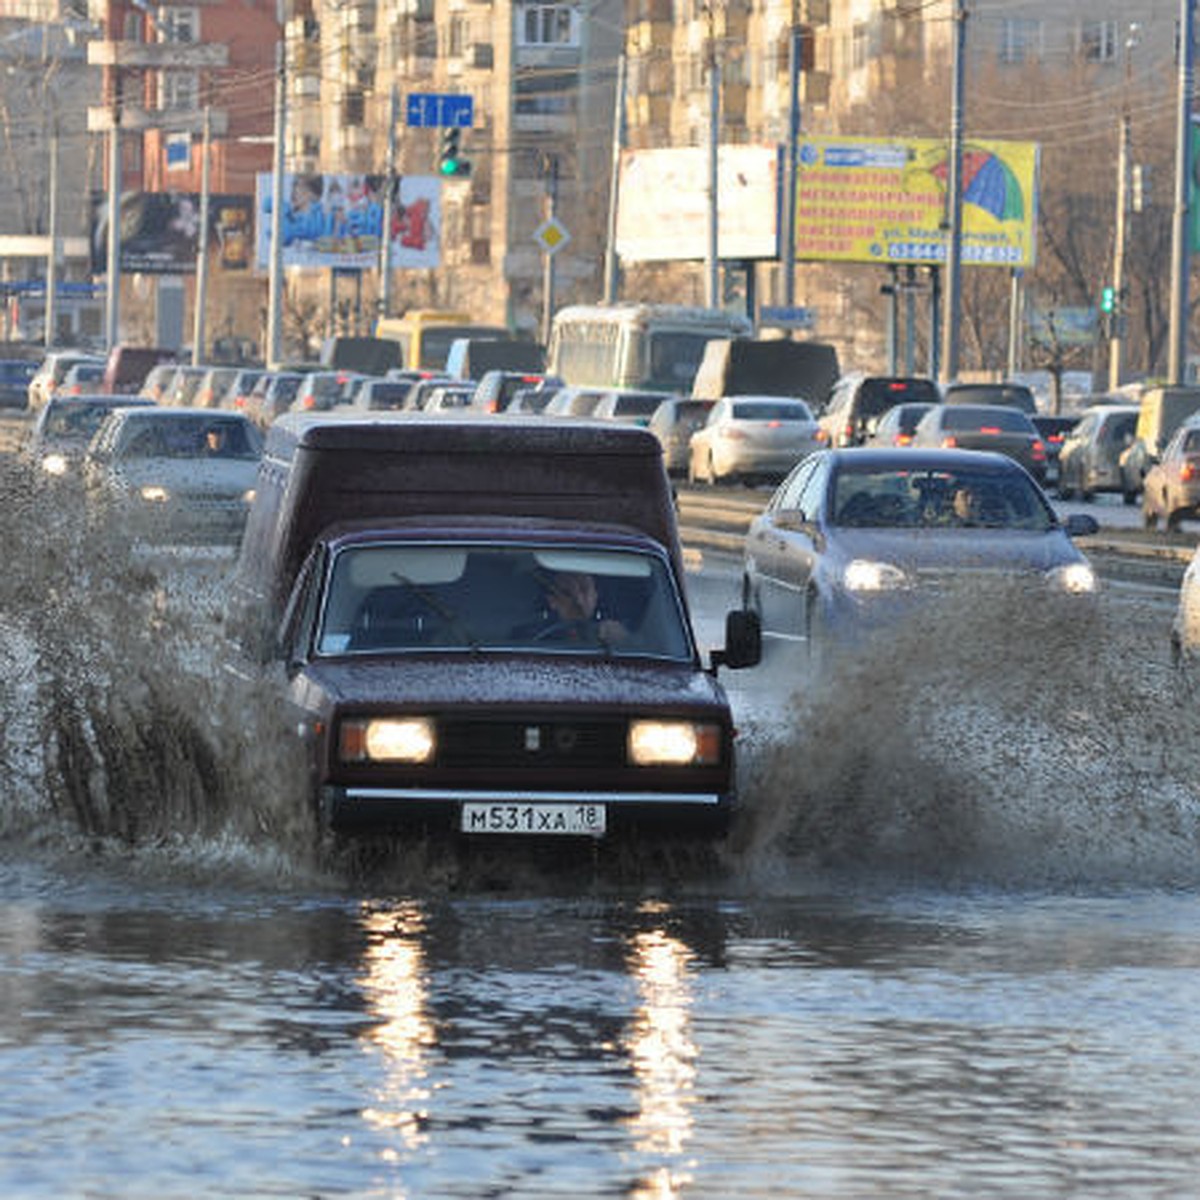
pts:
[780, 550]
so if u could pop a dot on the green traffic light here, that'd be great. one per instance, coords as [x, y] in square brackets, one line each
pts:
[1107, 296]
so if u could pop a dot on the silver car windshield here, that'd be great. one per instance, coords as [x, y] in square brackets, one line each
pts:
[924, 498]
[543, 599]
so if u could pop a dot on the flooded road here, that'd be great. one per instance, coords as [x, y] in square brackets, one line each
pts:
[951, 949]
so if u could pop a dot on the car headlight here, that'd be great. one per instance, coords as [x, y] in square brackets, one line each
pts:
[865, 575]
[673, 743]
[387, 739]
[248, 495]
[154, 493]
[54, 464]
[1077, 579]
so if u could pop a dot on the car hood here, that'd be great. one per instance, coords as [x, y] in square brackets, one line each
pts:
[504, 681]
[947, 550]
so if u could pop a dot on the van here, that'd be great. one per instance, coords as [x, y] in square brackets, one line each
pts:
[425, 335]
[473, 357]
[766, 367]
[1162, 411]
[366, 355]
[1007, 395]
[859, 401]
[483, 627]
[127, 366]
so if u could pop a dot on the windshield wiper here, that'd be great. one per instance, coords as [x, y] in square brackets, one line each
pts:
[444, 611]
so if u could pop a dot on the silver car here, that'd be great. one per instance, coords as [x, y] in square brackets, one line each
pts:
[170, 475]
[753, 438]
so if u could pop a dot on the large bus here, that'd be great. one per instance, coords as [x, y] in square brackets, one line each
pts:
[651, 347]
[425, 335]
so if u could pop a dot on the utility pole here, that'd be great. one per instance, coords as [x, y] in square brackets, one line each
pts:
[274, 353]
[48, 336]
[389, 205]
[1181, 256]
[796, 51]
[712, 292]
[198, 332]
[112, 306]
[953, 292]
[550, 167]
[1116, 339]
[611, 268]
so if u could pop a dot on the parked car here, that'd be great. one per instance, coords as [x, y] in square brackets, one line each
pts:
[450, 397]
[213, 385]
[272, 394]
[65, 425]
[81, 379]
[673, 422]
[1008, 395]
[381, 395]
[854, 538]
[898, 425]
[16, 374]
[984, 427]
[1053, 431]
[158, 382]
[495, 389]
[48, 377]
[1089, 460]
[752, 438]
[167, 475]
[631, 407]
[1171, 491]
[1161, 411]
[858, 402]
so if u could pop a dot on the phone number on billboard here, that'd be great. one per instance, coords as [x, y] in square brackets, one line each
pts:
[936, 252]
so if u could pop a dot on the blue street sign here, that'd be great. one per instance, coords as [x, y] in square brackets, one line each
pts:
[427, 110]
[782, 317]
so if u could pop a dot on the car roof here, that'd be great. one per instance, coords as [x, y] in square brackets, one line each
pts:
[915, 458]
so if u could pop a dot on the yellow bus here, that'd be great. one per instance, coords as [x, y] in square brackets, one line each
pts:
[425, 335]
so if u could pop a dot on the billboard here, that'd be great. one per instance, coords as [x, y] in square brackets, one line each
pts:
[160, 232]
[884, 201]
[663, 203]
[337, 220]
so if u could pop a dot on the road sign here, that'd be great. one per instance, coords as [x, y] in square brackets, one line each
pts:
[782, 316]
[426, 110]
[551, 235]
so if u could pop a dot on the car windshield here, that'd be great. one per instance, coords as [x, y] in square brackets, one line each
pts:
[74, 420]
[637, 404]
[415, 598]
[939, 498]
[1007, 420]
[199, 437]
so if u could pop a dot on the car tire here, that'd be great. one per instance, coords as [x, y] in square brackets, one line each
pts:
[1129, 497]
[1065, 491]
[1173, 519]
[816, 635]
[1149, 519]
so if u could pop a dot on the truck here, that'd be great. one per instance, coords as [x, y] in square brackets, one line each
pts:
[410, 574]
[743, 366]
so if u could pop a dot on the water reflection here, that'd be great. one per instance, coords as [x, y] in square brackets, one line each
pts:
[395, 989]
[662, 1053]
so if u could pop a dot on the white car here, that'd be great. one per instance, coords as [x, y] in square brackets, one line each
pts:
[753, 438]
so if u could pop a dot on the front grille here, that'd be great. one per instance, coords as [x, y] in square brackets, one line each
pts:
[535, 743]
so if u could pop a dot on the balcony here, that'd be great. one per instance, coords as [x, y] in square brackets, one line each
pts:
[158, 56]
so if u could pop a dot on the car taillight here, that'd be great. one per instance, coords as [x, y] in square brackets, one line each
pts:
[1187, 472]
[949, 441]
[902, 439]
[774, 424]
[1039, 451]
[990, 429]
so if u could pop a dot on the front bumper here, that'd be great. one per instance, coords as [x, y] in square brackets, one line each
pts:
[366, 810]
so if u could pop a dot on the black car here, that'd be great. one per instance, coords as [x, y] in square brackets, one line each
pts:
[15, 377]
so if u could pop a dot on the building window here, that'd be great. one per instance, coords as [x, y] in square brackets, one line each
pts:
[1020, 40]
[1098, 41]
[179, 91]
[180, 25]
[547, 25]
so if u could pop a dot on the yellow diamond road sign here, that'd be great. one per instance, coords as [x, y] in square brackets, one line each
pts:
[551, 235]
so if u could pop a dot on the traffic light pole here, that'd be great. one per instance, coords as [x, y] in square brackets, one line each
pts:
[389, 202]
[1181, 254]
[1117, 317]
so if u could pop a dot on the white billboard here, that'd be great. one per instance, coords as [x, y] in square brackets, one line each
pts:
[663, 203]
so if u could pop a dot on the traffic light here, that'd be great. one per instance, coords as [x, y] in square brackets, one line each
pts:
[1108, 299]
[451, 161]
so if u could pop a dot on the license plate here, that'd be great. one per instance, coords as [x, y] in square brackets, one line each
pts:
[545, 819]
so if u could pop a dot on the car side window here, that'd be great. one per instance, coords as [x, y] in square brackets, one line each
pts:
[788, 498]
[812, 494]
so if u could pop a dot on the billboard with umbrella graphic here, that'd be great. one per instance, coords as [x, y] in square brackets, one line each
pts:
[885, 200]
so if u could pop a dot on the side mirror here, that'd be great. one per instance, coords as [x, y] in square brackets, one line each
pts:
[743, 641]
[1081, 525]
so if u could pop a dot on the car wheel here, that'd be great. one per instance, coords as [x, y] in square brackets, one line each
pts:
[1149, 518]
[1129, 497]
[816, 634]
[1174, 519]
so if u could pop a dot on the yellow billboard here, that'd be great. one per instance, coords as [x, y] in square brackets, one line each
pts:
[885, 201]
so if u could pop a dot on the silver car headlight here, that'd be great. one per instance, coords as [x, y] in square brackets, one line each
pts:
[866, 575]
[1076, 579]
[54, 464]
[154, 493]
